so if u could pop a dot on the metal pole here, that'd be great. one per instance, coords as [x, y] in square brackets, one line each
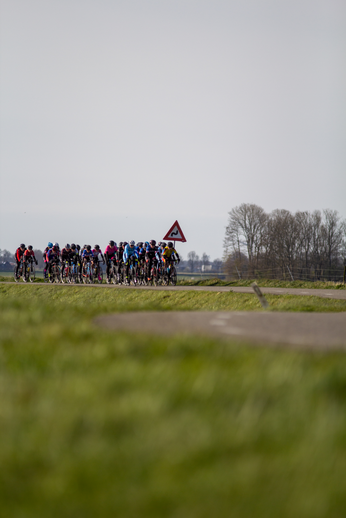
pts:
[290, 273]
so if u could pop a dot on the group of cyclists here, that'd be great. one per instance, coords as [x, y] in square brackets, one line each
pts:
[126, 263]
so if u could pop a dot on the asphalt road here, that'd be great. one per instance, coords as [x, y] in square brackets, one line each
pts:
[315, 331]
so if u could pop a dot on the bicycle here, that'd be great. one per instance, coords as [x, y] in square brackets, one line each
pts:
[97, 272]
[29, 271]
[87, 273]
[74, 273]
[120, 275]
[66, 272]
[133, 272]
[55, 275]
[141, 272]
[172, 273]
[18, 274]
[153, 277]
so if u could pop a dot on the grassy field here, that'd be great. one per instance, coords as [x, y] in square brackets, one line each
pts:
[94, 423]
[268, 283]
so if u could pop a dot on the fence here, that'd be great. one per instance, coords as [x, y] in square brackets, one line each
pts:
[287, 273]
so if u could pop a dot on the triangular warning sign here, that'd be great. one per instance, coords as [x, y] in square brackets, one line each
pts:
[175, 233]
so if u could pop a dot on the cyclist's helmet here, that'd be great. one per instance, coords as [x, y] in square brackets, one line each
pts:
[22, 245]
[50, 245]
[55, 248]
[111, 243]
[125, 243]
[153, 242]
[132, 243]
[163, 244]
[78, 247]
[30, 247]
[146, 244]
[121, 244]
[73, 246]
[88, 248]
[170, 244]
[67, 246]
[97, 247]
[140, 244]
[56, 244]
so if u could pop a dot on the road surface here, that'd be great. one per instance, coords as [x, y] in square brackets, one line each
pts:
[314, 331]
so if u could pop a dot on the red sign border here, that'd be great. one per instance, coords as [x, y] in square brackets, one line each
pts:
[175, 224]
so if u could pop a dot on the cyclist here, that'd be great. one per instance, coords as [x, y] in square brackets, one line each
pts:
[95, 262]
[29, 255]
[80, 261]
[161, 247]
[120, 260]
[130, 256]
[19, 257]
[45, 259]
[66, 256]
[96, 253]
[168, 256]
[150, 257]
[75, 258]
[87, 257]
[53, 257]
[110, 256]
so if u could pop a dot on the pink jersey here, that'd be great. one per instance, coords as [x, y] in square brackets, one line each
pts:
[110, 250]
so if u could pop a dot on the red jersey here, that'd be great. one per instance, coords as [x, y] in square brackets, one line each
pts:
[19, 253]
[29, 253]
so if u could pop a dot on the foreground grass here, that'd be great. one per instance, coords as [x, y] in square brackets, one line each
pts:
[94, 423]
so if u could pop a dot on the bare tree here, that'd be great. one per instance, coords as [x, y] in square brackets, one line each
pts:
[217, 265]
[310, 243]
[205, 259]
[244, 232]
[5, 255]
[192, 259]
[39, 257]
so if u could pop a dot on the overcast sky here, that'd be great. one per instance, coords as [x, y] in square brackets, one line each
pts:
[119, 117]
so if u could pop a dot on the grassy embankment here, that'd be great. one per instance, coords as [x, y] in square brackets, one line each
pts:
[95, 423]
[264, 283]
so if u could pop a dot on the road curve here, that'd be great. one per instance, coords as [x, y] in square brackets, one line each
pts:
[315, 331]
[325, 293]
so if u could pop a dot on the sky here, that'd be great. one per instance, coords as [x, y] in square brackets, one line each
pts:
[118, 117]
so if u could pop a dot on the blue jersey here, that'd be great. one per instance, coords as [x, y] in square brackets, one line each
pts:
[87, 253]
[129, 252]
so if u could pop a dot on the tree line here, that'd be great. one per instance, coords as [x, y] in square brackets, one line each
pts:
[304, 245]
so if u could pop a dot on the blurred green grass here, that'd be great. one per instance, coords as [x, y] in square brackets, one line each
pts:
[94, 423]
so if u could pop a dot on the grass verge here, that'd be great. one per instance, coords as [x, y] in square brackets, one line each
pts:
[95, 423]
[263, 283]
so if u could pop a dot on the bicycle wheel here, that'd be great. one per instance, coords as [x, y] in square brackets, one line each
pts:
[57, 274]
[32, 272]
[26, 272]
[100, 275]
[173, 276]
[65, 273]
[15, 274]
